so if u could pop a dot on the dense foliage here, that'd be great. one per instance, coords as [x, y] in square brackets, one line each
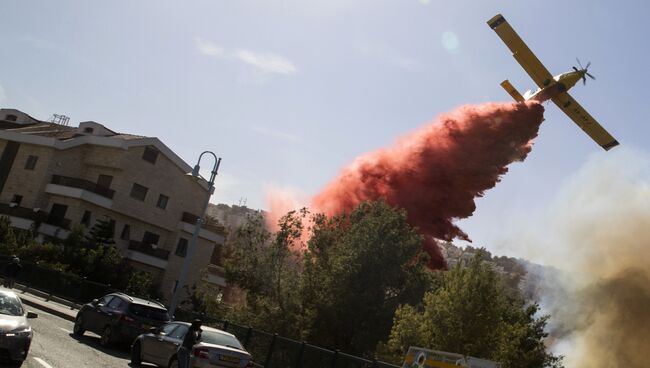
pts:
[90, 256]
[474, 313]
[357, 282]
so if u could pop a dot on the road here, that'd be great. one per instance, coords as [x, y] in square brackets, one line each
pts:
[54, 346]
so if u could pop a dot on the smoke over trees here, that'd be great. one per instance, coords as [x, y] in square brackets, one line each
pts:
[436, 172]
[474, 313]
[362, 275]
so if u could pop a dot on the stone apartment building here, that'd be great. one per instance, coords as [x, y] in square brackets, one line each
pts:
[53, 176]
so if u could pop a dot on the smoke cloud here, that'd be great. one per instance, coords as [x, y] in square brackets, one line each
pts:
[598, 233]
[437, 172]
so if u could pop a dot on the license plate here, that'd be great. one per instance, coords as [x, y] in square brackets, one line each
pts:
[229, 359]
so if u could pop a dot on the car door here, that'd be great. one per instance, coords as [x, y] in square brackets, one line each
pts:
[175, 340]
[107, 312]
[153, 345]
[92, 315]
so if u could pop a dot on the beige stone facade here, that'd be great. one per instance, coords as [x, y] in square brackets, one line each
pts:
[54, 176]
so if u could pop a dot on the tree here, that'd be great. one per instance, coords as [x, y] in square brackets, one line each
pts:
[359, 268]
[267, 267]
[140, 283]
[339, 290]
[102, 233]
[8, 240]
[473, 313]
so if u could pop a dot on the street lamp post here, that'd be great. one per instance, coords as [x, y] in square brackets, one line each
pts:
[197, 228]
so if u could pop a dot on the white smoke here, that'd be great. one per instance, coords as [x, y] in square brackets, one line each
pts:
[597, 233]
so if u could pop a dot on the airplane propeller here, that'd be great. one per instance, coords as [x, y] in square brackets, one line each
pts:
[584, 69]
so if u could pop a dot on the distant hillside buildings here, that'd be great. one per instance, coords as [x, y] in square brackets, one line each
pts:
[53, 176]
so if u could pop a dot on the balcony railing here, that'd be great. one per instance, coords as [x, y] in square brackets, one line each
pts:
[191, 219]
[83, 184]
[148, 249]
[28, 213]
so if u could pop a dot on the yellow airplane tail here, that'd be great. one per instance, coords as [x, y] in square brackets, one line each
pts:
[512, 91]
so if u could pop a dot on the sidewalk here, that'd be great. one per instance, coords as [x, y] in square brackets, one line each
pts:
[48, 303]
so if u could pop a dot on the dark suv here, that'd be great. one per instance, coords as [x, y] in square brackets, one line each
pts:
[118, 317]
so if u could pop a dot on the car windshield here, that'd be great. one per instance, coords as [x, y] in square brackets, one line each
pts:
[149, 312]
[213, 337]
[10, 305]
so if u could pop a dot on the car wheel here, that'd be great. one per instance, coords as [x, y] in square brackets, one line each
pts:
[78, 328]
[106, 337]
[173, 363]
[17, 363]
[136, 354]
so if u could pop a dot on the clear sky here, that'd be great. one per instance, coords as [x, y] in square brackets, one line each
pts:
[287, 92]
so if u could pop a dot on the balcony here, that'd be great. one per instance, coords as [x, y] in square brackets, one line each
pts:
[83, 184]
[215, 275]
[216, 228]
[81, 189]
[145, 253]
[30, 215]
[148, 249]
[26, 219]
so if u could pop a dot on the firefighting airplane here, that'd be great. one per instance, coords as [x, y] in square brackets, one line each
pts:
[550, 87]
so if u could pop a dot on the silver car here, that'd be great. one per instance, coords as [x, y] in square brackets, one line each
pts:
[215, 348]
[15, 331]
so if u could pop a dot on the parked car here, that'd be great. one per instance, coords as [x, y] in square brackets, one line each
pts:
[15, 332]
[216, 348]
[118, 317]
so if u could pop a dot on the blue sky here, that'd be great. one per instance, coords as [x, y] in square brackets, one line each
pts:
[287, 92]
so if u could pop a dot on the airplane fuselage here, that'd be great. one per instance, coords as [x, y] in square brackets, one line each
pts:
[560, 83]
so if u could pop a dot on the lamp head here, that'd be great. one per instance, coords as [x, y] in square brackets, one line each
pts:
[195, 171]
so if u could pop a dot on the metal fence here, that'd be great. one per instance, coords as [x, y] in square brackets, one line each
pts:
[64, 285]
[274, 351]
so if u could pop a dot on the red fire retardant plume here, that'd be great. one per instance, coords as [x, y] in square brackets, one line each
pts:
[436, 172]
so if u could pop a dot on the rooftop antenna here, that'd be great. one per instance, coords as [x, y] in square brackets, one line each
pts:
[60, 119]
[242, 202]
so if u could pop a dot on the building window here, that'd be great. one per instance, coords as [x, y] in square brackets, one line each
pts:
[139, 192]
[57, 214]
[150, 238]
[11, 117]
[126, 232]
[88, 130]
[162, 201]
[181, 247]
[150, 154]
[31, 162]
[104, 181]
[85, 219]
[215, 259]
[15, 200]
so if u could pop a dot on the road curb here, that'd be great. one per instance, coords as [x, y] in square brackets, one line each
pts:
[46, 308]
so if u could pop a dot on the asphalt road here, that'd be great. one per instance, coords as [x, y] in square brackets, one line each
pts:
[54, 346]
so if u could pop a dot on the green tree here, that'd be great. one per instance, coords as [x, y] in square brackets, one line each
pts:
[473, 313]
[358, 269]
[101, 234]
[140, 283]
[267, 267]
[8, 240]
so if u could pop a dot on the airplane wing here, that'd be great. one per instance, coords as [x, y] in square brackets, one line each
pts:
[585, 121]
[520, 51]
